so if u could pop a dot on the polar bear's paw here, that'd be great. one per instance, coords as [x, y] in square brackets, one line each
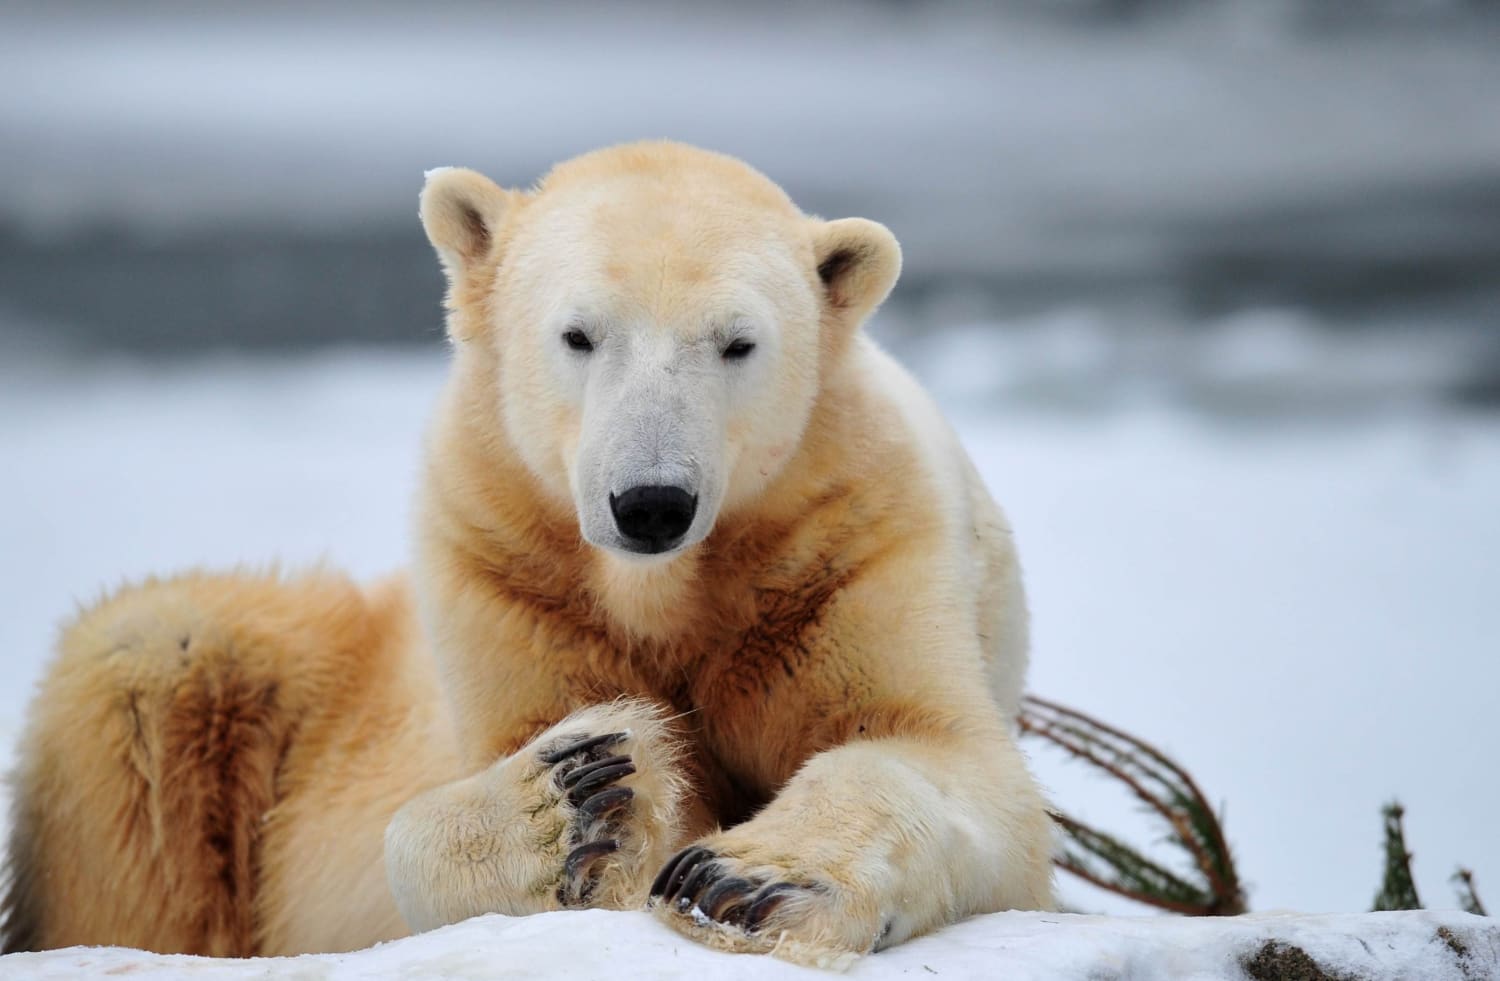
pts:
[583, 815]
[751, 902]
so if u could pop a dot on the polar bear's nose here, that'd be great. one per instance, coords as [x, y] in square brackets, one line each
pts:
[653, 518]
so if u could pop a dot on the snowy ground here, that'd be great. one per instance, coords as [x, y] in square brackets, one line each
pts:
[1015, 946]
[1304, 614]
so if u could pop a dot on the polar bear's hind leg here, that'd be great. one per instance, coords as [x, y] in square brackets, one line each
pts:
[151, 760]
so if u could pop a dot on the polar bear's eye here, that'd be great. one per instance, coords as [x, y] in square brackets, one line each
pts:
[577, 340]
[738, 349]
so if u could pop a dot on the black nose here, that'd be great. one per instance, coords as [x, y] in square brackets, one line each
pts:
[653, 518]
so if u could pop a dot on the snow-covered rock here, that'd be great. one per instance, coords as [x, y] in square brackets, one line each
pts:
[1016, 946]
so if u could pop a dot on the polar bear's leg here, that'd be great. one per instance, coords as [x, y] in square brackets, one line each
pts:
[583, 815]
[155, 748]
[869, 844]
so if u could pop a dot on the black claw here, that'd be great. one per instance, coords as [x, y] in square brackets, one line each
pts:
[706, 874]
[604, 803]
[690, 866]
[735, 915]
[571, 778]
[722, 894]
[765, 903]
[670, 878]
[664, 877]
[584, 744]
[578, 862]
[599, 775]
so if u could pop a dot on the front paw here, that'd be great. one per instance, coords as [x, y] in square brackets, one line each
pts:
[742, 899]
[581, 816]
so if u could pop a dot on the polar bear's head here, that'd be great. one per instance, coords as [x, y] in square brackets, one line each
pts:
[655, 323]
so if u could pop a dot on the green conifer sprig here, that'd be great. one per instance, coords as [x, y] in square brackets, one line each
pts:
[1167, 790]
[1468, 899]
[1397, 890]
[1111, 864]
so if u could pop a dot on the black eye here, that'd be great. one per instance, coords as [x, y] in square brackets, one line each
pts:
[577, 340]
[738, 349]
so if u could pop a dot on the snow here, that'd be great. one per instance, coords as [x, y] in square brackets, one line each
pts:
[1016, 946]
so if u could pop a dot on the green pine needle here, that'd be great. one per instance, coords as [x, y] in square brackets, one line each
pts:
[1397, 891]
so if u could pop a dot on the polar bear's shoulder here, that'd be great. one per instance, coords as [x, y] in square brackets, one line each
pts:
[923, 426]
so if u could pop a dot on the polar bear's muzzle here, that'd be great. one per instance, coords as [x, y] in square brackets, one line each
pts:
[648, 473]
[653, 518]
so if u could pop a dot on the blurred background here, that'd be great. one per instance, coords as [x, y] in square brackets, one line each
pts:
[1210, 288]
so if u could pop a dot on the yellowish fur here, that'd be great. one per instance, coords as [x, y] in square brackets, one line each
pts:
[820, 690]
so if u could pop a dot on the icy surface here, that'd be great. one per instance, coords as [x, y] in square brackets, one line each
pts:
[1014, 946]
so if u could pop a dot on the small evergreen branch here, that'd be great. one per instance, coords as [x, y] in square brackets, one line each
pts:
[1196, 826]
[1166, 789]
[1397, 891]
[1110, 864]
[1468, 899]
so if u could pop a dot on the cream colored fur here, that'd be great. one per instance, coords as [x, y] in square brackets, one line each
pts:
[816, 685]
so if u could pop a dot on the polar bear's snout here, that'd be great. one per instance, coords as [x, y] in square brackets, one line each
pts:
[649, 472]
[653, 518]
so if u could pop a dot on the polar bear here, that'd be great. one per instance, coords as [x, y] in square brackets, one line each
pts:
[709, 614]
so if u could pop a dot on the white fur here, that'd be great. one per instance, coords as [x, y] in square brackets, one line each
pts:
[959, 495]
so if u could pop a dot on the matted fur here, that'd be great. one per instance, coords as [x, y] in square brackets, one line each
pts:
[818, 687]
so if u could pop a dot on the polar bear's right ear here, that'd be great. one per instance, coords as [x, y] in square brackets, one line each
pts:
[462, 212]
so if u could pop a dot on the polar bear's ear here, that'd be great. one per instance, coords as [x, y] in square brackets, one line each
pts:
[462, 212]
[858, 262]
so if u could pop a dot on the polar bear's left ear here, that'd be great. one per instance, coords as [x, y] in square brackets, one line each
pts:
[462, 212]
[858, 261]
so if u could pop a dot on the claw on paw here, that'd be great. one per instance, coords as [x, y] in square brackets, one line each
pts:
[604, 804]
[765, 903]
[697, 880]
[669, 880]
[590, 745]
[725, 900]
[582, 782]
[577, 884]
[703, 875]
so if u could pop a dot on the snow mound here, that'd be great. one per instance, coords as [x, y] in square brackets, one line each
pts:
[621, 946]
